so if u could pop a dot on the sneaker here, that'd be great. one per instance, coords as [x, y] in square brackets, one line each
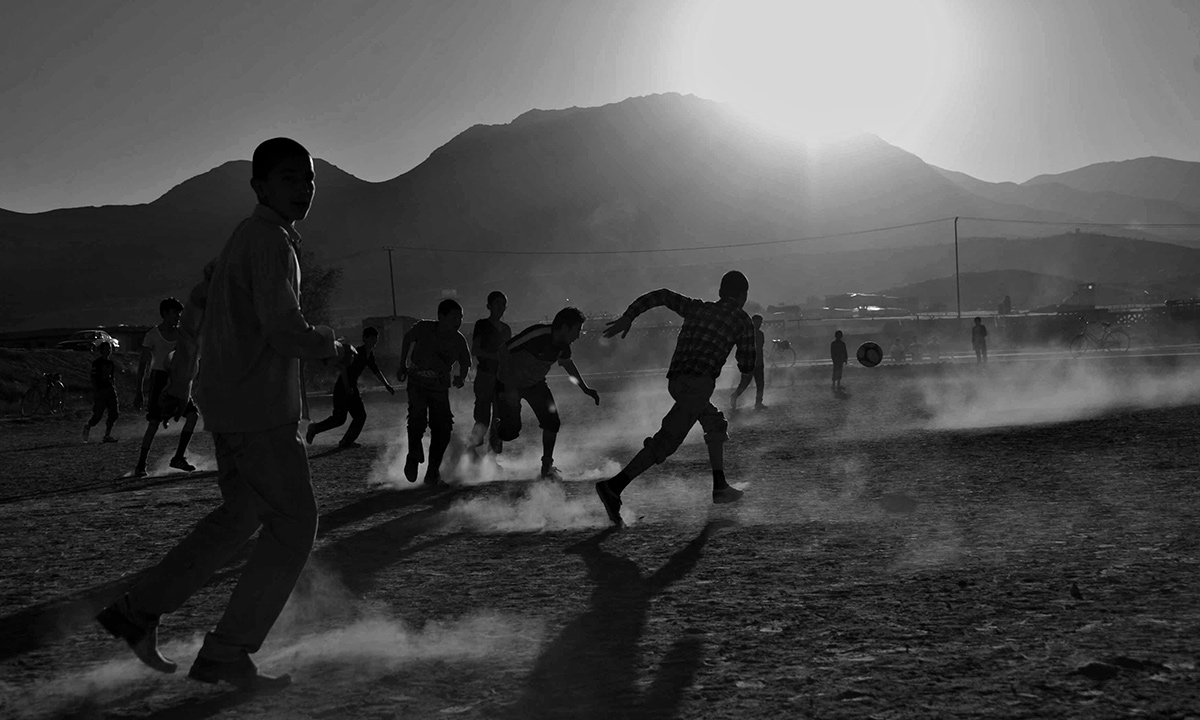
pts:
[180, 463]
[551, 473]
[87, 429]
[727, 494]
[139, 471]
[760, 406]
[310, 433]
[612, 503]
[242, 673]
[433, 478]
[109, 439]
[411, 463]
[141, 640]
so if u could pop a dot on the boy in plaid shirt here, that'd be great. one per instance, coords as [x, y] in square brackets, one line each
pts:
[710, 330]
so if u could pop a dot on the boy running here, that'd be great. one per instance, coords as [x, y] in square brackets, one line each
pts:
[157, 347]
[345, 394]
[524, 363]
[709, 331]
[244, 321]
[489, 336]
[436, 347]
[104, 393]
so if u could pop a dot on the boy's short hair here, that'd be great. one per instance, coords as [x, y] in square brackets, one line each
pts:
[733, 284]
[169, 304]
[270, 153]
[449, 305]
[756, 317]
[495, 295]
[837, 334]
[103, 344]
[370, 332]
[978, 319]
[567, 317]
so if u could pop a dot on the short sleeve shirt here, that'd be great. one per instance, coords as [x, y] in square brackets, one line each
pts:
[160, 348]
[434, 354]
[530, 355]
[490, 339]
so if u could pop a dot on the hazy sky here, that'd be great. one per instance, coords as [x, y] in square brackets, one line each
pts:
[116, 102]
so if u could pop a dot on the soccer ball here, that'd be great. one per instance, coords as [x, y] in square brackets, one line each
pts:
[869, 354]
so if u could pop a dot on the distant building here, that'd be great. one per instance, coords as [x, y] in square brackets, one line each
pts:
[868, 302]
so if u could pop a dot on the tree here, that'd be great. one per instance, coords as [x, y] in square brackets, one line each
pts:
[318, 284]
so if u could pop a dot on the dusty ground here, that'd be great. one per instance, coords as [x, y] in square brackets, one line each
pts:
[908, 551]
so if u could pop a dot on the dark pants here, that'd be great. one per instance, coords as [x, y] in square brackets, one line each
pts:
[508, 409]
[344, 403]
[837, 371]
[264, 484]
[485, 397]
[759, 371]
[104, 400]
[429, 406]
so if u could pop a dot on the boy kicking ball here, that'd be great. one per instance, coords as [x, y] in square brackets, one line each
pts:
[710, 330]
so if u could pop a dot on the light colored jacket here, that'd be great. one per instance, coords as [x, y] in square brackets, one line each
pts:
[242, 335]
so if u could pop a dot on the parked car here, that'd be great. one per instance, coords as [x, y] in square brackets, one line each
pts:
[88, 340]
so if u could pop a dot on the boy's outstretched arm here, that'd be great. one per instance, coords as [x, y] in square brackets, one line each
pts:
[375, 369]
[405, 346]
[464, 362]
[679, 304]
[187, 349]
[569, 365]
[143, 363]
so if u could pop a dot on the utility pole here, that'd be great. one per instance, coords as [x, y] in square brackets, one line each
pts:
[957, 289]
[392, 277]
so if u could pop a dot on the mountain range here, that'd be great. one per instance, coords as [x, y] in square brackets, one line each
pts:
[627, 182]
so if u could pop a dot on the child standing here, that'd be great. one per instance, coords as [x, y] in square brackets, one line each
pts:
[979, 340]
[244, 319]
[104, 393]
[837, 353]
[710, 330]
[489, 336]
[157, 347]
[436, 347]
[346, 398]
[524, 364]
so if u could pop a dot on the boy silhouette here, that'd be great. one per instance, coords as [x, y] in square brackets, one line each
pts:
[436, 347]
[710, 330]
[525, 360]
[104, 393]
[346, 399]
[487, 339]
[244, 320]
[157, 348]
[839, 356]
[979, 340]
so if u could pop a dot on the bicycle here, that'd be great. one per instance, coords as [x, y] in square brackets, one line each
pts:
[782, 353]
[49, 393]
[1114, 339]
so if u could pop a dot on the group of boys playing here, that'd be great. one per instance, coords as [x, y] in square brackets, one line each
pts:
[244, 319]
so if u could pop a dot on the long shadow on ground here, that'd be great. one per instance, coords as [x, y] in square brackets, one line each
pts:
[590, 670]
[55, 619]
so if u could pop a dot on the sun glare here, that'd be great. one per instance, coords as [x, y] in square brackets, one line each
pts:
[817, 70]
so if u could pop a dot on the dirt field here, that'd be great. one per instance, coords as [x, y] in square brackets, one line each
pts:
[1018, 541]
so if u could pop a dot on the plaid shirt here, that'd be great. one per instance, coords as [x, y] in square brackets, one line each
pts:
[709, 332]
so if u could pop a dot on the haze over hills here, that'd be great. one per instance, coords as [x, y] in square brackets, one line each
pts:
[647, 173]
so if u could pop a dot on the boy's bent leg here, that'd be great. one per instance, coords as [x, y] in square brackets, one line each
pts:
[541, 401]
[759, 378]
[485, 398]
[508, 414]
[273, 467]
[418, 418]
[691, 400]
[340, 409]
[358, 413]
[441, 427]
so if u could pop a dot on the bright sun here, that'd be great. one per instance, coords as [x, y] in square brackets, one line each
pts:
[820, 69]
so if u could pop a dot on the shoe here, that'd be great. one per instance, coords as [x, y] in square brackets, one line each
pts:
[433, 478]
[139, 471]
[87, 429]
[143, 641]
[612, 503]
[551, 473]
[411, 463]
[310, 433]
[727, 494]
[241, 673]
[349, 445]
[760, 406]
[180, 463]
[109, 439]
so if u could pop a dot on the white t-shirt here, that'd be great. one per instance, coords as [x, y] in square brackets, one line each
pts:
[160, 348]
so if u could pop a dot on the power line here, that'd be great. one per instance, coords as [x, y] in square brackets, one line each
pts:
[1065, 223]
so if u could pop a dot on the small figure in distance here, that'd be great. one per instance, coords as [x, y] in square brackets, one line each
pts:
[979, 340]
[104, 393]
[158, 347]
[436, 347]
[759, 367]
[346, 398]
[709, 331]
[840, 356]
[898, 351]
[244, 318]
[525, 360]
